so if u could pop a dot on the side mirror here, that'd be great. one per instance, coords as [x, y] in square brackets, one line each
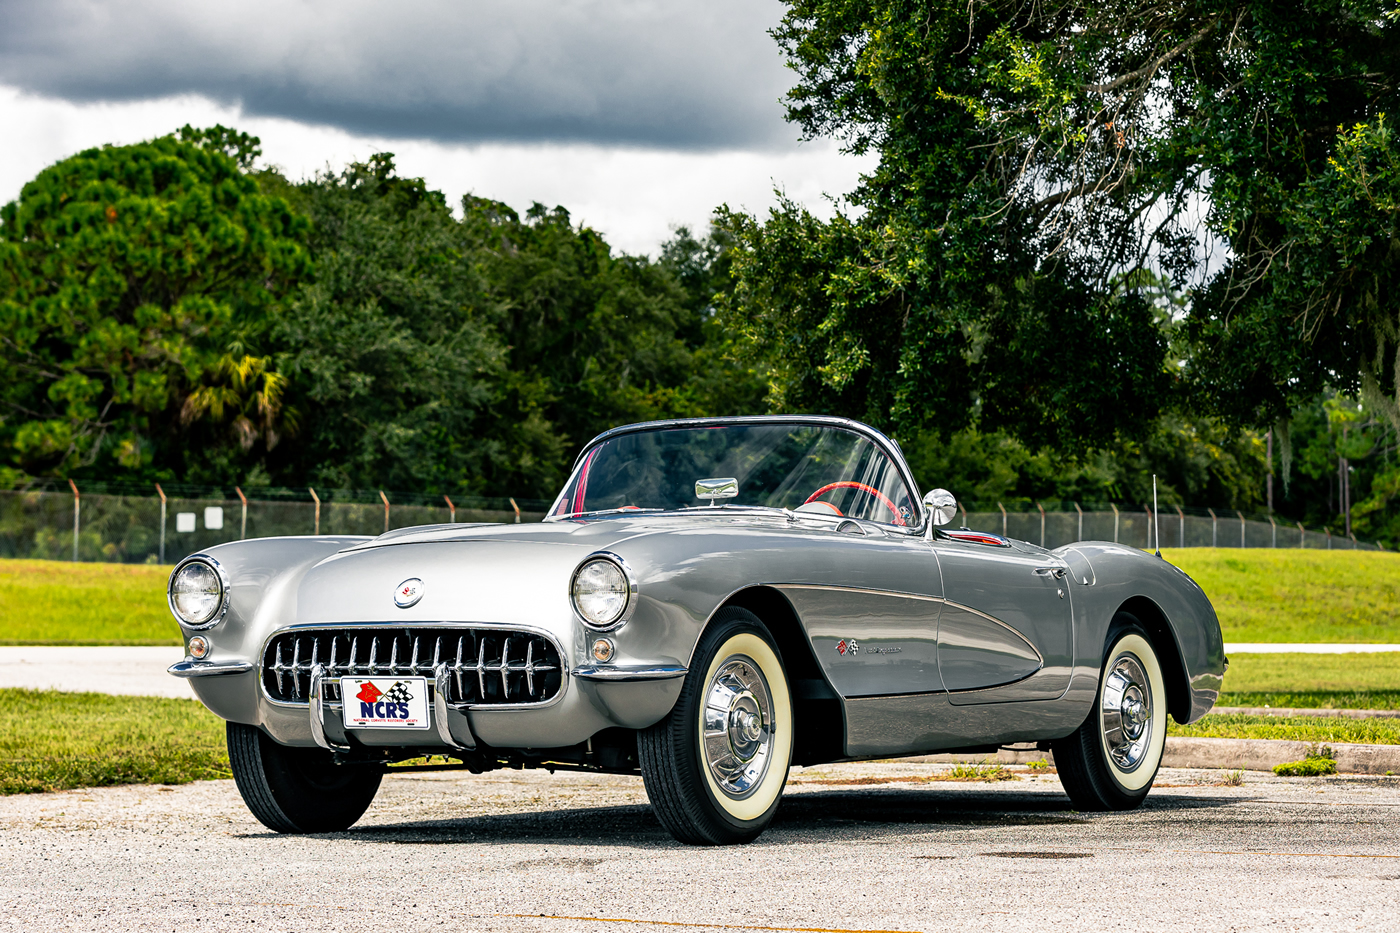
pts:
[941, 505]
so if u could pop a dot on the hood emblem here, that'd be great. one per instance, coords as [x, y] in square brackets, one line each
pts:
[408, 593]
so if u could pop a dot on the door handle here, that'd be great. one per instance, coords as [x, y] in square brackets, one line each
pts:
[1057, 572]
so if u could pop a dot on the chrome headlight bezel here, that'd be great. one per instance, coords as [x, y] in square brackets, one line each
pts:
[629, 586]
[219, 573]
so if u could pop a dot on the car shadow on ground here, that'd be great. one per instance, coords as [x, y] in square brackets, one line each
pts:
[803, 818]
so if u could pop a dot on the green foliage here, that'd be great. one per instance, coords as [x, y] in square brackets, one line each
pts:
[1196, 462]
[131, 277]
[1048, 171]
[58, 741]
[50, 602]
[390, 365]
[592, 340]
[938, 298]
[1311, 766]
[986, 771]
[174, 314]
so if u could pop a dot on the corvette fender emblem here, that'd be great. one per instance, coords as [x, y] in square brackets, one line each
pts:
[408, 593]
[847, 646]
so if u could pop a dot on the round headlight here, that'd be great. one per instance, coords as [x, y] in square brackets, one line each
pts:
[196, 593]
[600, 592]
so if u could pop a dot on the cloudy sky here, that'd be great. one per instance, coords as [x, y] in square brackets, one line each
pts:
[637, 115]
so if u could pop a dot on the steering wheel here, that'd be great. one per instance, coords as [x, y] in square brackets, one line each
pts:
[851, 484]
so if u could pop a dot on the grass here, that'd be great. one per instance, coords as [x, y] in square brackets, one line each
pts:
[1335, 681]
[1295, 728]
[1319, 761]
[58, 741]
[50, 602]
[1297, 595]
[1308, 767]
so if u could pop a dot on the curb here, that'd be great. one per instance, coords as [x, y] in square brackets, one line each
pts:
[1221, 755]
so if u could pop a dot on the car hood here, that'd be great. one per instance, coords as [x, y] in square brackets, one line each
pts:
[486, 573]
[591, 533]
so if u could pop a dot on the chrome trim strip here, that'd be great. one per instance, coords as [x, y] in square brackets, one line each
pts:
[1010, 628]
[445, 717]
[857, 589]
[1009, 683]
[317, 713]
[400, 626]
[192, 668]
[224, 584]
[623, 674]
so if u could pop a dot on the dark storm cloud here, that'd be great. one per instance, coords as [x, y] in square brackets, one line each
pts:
[665, 73]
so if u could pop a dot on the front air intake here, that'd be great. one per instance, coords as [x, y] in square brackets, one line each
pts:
[486, 666]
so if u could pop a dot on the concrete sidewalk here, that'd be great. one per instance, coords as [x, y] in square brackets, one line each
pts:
[134, 671]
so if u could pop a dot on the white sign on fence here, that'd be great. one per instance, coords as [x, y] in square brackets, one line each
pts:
[214, 517]
[184, 521]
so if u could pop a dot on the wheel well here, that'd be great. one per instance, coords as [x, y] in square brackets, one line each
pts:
[1173, 668]
[820, 727]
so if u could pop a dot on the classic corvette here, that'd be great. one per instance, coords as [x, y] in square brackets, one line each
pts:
[708, 602]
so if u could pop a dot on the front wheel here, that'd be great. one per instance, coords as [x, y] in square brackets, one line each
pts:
[298, 790]
[1110, 761]
[715, 767]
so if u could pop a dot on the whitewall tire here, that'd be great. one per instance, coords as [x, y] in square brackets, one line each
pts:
[1110, 761]
[716, 766]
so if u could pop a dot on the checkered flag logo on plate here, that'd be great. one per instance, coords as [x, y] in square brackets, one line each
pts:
[398, 693]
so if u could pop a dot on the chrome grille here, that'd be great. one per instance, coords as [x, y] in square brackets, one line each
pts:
[486, 666]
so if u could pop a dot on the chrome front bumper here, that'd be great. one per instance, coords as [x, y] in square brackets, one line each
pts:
[598, 698]
[450, 724]
[192, 668]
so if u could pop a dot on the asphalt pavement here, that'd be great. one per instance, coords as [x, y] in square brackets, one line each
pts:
[854, 848]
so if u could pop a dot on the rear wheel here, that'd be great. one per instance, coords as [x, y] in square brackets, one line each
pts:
[716, 766]
[1110, 761]
[298, 790]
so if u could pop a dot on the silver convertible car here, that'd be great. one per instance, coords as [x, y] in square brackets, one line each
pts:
[708, 602]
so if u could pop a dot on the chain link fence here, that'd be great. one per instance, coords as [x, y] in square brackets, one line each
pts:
[106, 522]
[1056, 524]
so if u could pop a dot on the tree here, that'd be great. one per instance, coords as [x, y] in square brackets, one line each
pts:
[593, 340]
[131, 278]
[474, 355]
[1032, 159]
[391, 365]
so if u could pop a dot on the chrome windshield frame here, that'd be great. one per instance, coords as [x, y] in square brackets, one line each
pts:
[884, 443]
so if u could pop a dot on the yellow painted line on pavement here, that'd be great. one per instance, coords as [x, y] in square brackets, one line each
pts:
[1275, 854]
[703, 926]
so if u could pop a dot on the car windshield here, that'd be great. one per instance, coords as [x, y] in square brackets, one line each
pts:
[804, 467]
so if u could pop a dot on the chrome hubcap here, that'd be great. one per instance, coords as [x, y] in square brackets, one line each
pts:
[737, 727]
[1126, 707]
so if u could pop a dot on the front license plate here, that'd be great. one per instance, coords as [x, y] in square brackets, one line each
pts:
[385, 702]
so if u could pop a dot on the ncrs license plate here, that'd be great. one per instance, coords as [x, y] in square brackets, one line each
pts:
[385, 702]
